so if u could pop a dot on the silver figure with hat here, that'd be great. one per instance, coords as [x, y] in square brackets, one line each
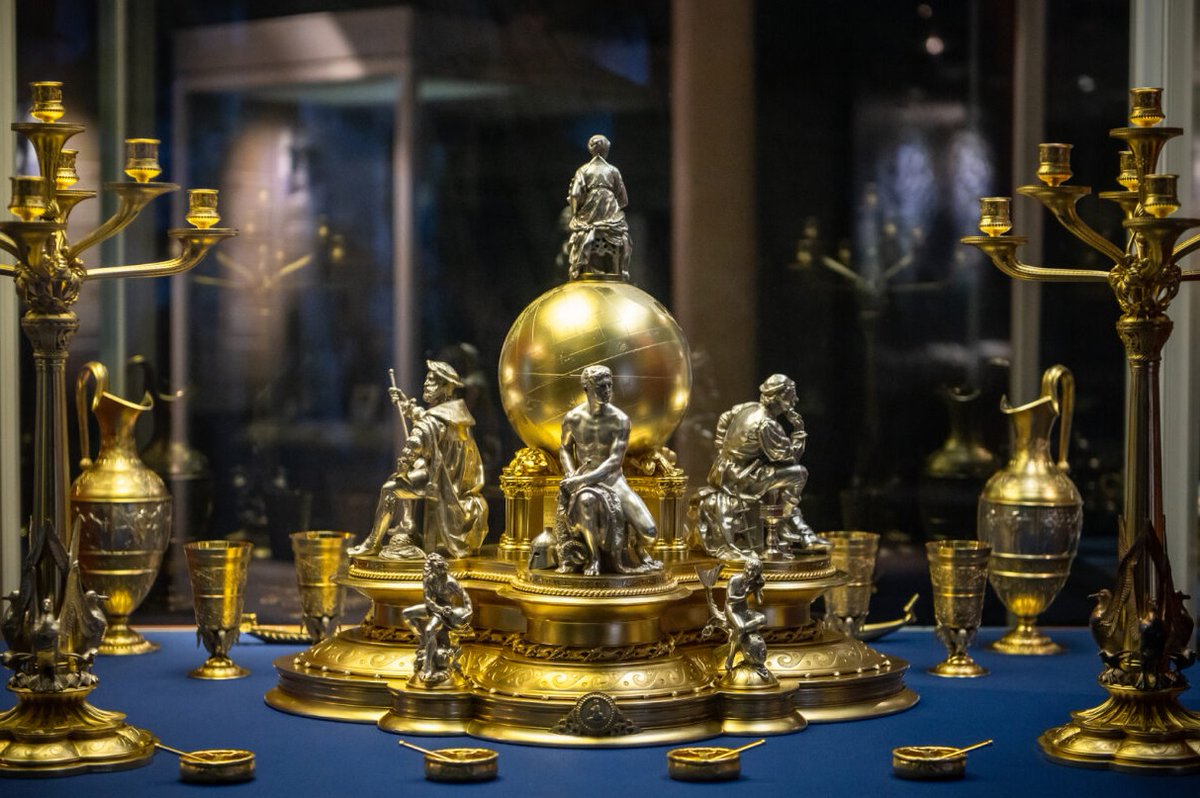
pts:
[440, 465]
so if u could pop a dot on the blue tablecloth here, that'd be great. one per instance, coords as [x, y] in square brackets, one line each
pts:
[303, 757]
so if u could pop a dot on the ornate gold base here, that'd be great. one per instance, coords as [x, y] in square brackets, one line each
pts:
[838, 678]
[1026, 640]
[122, 641]
[1134, 731]
[218, 668]
[57, 734]
[544, 641]
[958, 667]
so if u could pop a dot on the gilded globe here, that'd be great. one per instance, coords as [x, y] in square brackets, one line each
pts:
[595, 322]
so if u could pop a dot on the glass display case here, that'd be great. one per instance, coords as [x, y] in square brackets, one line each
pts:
[397, 174]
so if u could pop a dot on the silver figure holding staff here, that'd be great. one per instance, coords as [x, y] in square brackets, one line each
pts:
[439, 465]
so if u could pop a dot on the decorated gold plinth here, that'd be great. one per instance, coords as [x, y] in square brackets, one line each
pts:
[60, 733]
[544, 642]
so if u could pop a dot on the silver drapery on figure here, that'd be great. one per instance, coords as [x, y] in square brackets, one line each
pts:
[439, 464]
[757, 479]
[599, 242]
[741, 622]
[436, 621]
[601, 525]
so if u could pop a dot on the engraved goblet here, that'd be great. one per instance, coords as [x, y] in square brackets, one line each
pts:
[853, 552]
[320, 559]
[217, 570]
[958, 570]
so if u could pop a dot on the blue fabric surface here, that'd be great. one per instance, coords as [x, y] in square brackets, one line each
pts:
[302, 757]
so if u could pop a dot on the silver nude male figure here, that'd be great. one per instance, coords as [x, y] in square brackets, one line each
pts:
[596, 506]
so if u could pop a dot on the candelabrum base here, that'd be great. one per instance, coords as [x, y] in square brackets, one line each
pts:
[1134, 731]
[121, 641]
[59, 734]
[219, 668]
[1028, 641]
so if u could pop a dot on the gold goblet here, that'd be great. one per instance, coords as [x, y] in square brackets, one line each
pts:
[217, 569]
[320, 560]
[958, 570]
[854, 553]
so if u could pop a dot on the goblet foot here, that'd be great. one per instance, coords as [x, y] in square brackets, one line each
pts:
[958, 666]
[1027, 640]
[219, 667]
[120, 640]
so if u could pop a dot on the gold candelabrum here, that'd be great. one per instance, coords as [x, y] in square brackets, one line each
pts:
[52, 625]
[1141, 626]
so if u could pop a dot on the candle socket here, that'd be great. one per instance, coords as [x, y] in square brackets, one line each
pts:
[65, 175]
[141, 159]
[47, 101]
[28, 198]
[1160, 195]
[1145, 107]
[1128, 177]
[995, 215]
[202, 208]
[1054, 163]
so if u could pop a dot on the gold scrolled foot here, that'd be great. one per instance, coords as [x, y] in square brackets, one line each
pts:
[1134, 731]
[1026, 640]
[58, 734]
[120, 640]
[218, 668]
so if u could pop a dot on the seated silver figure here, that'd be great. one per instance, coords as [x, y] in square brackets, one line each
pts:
[741, 622]
[601, 526]
[757, 479]
[439, 464]
[436, 621]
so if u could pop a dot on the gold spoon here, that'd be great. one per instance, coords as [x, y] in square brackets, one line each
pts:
[746, 747]
[958, 751]
[427, 752]
[171, 750]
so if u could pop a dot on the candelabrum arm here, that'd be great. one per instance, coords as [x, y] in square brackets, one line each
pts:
[132, 198]
[1060, 201]
[9, 246]
[1003, 252]
[838, 268]
[195, 245]
[1185, 249]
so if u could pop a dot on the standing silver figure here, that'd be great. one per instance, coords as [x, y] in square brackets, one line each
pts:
[445, 611]
[741, 622]
[602, 526]
[440, 464]
[757, 479]
[599, 241]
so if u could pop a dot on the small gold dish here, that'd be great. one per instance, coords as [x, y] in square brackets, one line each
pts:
[460, 765]
[932, 762]
[217, 766]
[704, 764]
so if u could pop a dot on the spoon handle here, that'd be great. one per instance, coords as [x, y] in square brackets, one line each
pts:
[426, 751]
[169, 749]
[746, 747]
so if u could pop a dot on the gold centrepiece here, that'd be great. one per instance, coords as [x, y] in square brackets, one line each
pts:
[1142, 627]
[614, 658]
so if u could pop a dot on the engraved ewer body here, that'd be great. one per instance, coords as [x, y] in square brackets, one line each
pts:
[122, 510]
[1031, 514]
